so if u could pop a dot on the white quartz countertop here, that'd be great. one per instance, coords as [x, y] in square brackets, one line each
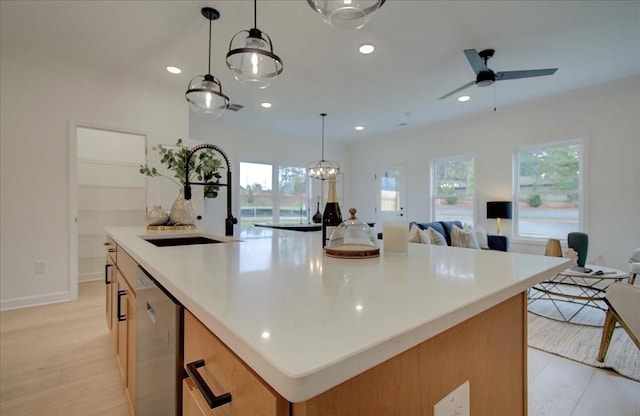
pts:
[306, 322]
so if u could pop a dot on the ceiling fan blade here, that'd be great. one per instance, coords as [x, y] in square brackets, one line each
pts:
[457, 90]
[475, 61]
[501, 76]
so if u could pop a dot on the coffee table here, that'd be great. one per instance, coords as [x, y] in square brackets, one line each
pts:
[575, 295]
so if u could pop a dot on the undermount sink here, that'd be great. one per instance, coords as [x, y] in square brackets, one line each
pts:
[180, 240]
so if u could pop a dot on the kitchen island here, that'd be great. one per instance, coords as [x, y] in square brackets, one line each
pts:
[342, 336]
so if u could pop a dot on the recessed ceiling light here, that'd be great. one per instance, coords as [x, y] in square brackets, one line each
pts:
[366, 49]
[464, 98]
[174, 70]
[266, 105]
[359, 128]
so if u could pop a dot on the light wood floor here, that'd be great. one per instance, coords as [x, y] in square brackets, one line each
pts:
[58, 360]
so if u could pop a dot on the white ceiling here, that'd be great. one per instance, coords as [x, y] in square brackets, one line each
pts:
[419, 54]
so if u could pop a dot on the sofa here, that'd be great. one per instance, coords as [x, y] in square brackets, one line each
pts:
[495, 242]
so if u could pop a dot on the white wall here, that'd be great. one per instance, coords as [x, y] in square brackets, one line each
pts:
[607, 117]
[38, 103]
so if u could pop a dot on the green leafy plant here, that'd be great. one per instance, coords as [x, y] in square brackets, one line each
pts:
[534, 201]
[203, 167]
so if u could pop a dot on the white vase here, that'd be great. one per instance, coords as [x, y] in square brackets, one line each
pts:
[182, 211]
[157, 216]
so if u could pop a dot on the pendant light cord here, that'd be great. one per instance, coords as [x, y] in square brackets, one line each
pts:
[209, 71]
[323, 116]
[255, 14]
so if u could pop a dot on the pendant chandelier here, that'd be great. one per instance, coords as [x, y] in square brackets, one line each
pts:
[205, 91]
[346, 14]
[323, 169]
[251, 57]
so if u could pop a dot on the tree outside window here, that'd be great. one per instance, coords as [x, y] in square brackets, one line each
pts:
[549, 189]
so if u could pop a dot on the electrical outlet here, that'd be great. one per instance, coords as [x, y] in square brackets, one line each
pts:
[455, 403]
[41, 267]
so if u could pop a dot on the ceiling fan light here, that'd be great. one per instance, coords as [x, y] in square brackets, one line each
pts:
[346, 14]
[251, 58]
[205, 95]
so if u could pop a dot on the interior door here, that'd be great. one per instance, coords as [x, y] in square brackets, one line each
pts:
[391, 197]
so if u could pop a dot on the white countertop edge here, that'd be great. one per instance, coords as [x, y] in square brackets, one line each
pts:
[299, 388]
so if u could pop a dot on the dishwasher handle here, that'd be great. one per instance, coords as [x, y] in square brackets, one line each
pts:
[212, 400]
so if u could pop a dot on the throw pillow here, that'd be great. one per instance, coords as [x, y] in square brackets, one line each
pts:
[414, 235]
[463, 238]
[481, 235]
[425, 237]
[635, 257]
[437, 239]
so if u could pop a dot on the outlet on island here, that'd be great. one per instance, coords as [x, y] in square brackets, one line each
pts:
[455, 403]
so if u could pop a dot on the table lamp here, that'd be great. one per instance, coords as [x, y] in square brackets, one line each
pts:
[498, 210]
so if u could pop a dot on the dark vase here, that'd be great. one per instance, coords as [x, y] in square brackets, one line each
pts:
[317, 217]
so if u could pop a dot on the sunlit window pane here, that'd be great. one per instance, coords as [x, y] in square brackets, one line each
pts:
[548, 190]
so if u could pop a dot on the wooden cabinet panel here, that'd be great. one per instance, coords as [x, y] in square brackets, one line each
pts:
[122, 325]
[121, 314]
[194, 405]
[224, 372]
[128, 267]
[489, 350]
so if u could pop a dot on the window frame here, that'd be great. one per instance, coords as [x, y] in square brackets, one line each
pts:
[434, 184]
[582, 187]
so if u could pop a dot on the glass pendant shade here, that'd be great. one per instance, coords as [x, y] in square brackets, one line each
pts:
[251, 58]
[346, 14]
[205, 95]
[323, 169]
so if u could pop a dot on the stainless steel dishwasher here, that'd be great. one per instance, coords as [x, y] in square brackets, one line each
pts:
[158, 349]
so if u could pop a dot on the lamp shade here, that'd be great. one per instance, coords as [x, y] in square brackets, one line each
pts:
[499, 209]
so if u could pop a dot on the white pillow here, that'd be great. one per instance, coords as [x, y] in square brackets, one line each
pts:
[437, 239]
[463, 238]
[414, 235]
[425, 237]
[418, 235]
[481, 235]
[635, 257]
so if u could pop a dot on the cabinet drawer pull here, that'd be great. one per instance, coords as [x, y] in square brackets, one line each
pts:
[212, 400]
[121, 317]
[106, 274]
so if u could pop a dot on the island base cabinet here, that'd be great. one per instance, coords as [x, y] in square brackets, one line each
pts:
[223, 372]
[489, 350]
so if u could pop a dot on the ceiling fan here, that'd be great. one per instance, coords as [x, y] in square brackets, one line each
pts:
[486, 77]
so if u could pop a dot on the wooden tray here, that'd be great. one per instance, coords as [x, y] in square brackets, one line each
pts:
[181, 227]
[353, 252]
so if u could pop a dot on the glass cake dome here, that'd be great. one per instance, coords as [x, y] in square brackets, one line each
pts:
[353, 238]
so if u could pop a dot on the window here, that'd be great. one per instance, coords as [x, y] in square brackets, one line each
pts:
[549, 188]
[453, 190]
[260, 201]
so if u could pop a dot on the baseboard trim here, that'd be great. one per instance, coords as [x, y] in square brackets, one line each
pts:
[30, 301]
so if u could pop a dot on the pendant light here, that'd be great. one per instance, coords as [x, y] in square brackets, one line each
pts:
[346, 14]
[205, 91]
[323, 169]
[251, 57]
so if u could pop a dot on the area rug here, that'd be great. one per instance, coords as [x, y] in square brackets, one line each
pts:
[581, 343]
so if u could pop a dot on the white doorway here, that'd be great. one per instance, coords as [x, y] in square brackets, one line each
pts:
[107, 189]
[391, 193]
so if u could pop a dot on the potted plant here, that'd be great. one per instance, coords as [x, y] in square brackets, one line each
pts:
[203, 167]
